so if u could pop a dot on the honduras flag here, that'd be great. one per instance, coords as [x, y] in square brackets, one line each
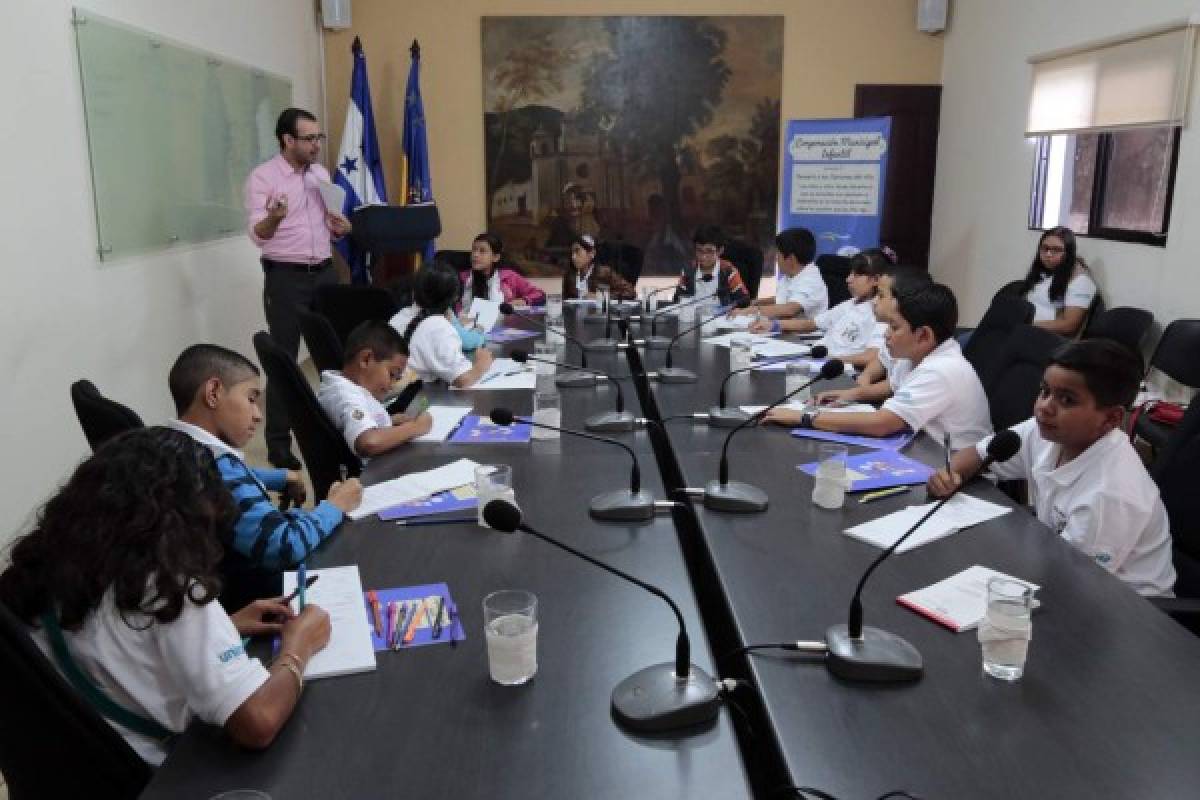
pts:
[417, 188]
[359, 167]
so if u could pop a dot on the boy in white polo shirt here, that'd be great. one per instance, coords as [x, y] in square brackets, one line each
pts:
[1086, 482]
[352, 399]
[799, 289]
[941, 394]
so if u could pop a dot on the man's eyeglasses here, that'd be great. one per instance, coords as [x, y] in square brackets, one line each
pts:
[311, 138]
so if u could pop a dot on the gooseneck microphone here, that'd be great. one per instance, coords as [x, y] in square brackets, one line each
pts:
[726, 495]
[858, 653]
[607, 344]
[567, 380]
[623, 505]
[654, 341]
[673, 374]
[606, 421]
[658, 698]
[721, 417]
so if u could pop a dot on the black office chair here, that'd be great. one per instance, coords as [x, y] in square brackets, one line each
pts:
[1175, 473]
[52, 743]
[1177, 356]
[346, 305]
[834, 271]
[987, 343]
[626, 259]
[322, 340]
[1124, 324]
[321, 444]
[1011, 289]
[1014, 385]
[100, 417]
[749, 262]
[459, 259]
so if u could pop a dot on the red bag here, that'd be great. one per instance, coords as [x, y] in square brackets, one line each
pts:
[1159, 411]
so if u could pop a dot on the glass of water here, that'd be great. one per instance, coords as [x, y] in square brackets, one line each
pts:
[708, 314]
[545, 352]
[741, 352]
[510, 625]
[547, 411]
[554, 306]
[829, 491]
[491, 483]
[795, 375]
[1006, 629]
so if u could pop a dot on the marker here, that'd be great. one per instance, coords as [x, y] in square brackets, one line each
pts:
[946, 442]
[437, 617]
[414, 622]
[376, 612]
[871, 497]
[301, 582]
[343, 473]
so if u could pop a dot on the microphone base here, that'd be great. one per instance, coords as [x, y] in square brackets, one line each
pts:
[675, 375]
[726, 417]
[656, 342]
[611, 422]
[735, 496]
[623, 505]
[654, 699]
[575, 380]
[602, 345]
[879, 657]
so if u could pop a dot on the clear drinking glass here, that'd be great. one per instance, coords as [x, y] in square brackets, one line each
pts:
[1006, 629]
[712, 322]
[547, 410]
[829, 491]
[741, 352]
[795, 375]
[545, 352]
[510, 626]
[554, 306]
[492, 482]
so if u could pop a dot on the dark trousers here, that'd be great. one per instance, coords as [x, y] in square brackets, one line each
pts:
[287, 287]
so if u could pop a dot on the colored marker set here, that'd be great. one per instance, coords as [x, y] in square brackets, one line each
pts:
[412, 616]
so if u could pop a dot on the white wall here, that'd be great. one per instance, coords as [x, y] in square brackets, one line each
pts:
[121, 324]
[984, 166]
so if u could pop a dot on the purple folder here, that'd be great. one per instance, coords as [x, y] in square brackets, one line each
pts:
[451, 623]
[897, 441]
[502, 335]
[881, 469]
[481, 430]
[440, 503]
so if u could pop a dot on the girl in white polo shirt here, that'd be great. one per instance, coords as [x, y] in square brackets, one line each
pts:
[119, 584]
[1059, 284]
[1086, 482]
[434, 347]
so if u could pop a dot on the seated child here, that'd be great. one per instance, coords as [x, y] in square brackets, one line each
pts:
[487, 279]
[121, 571]
[1086, 482]
[799, 288]
[941, 394]
[583, 276]
[216, 393]
[353, 398]
[710, 274]
[434, 347]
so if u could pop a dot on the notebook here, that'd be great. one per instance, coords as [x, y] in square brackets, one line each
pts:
[963, 511]
[958, 602]
[339, 593]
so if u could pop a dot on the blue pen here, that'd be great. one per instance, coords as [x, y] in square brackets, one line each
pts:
[301, 574]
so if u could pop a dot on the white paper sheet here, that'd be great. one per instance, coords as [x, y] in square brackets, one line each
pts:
[486, 313]
[445, 420]
[339, 592]
[414, 486]
[963, 511]
[725, 339]
[333, 195]
[960, 601]
[504, 374]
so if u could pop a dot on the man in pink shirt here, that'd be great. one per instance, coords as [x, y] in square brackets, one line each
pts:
[289, 222]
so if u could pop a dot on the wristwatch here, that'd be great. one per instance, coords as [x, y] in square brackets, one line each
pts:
[808, 418]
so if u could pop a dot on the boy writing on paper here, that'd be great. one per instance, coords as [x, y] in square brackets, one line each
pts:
[375, 359]
[941, 394]
[1086, 482]
[799, 288]
[216, 393]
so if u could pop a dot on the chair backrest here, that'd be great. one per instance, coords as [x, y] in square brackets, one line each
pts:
[52, 743]
[100, 417]
[1123, 324]
[321, 444]
[322, 340]
[459, 259]
[987, 343]
[1011, 289]
[1015, 384]
[834, 271]
[1176, 353]
[346, 305]
[626, 259]
[1175, 472]
[749, 261]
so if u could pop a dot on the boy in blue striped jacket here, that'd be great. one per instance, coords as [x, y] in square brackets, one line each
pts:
[216, 393]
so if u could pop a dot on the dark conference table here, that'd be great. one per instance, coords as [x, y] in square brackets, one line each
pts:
[1108, 706]
[430, 723]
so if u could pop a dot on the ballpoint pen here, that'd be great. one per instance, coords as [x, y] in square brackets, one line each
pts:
[870, 497]
[301, 582]
[398, 631]
[946, 442]
[419, 522]
[437, 617]
[343, 473]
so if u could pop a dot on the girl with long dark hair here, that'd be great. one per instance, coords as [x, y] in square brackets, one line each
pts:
[1059, 284]
[487, 279]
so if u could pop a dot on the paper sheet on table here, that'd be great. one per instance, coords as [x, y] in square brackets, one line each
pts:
[445, 420]
[792, 406]
[332, 195]
[414, 486]
[339, 592]
[963, 511]
[814, 365]
[958, 602]
[486, 313]
[725, 339]
[773, 348]
[504, 374]
[741, 322]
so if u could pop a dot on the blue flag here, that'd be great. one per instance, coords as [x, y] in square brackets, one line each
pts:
[418, 187]
[359, 167]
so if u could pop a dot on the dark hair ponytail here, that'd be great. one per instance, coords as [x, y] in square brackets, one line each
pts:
[435, 291]
[1061, 276]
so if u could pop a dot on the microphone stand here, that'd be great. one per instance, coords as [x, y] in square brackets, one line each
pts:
[672, 374]
[616, 421]
[568, 380]
[721, 417]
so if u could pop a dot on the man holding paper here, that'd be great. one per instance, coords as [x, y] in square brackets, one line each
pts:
[289, 219]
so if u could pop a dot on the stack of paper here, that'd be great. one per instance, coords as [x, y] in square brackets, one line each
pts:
[486, 313]
[958, 602]
[414, 486]
[445, 420]
[339, 592]
[960, 513]
[504, 374]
